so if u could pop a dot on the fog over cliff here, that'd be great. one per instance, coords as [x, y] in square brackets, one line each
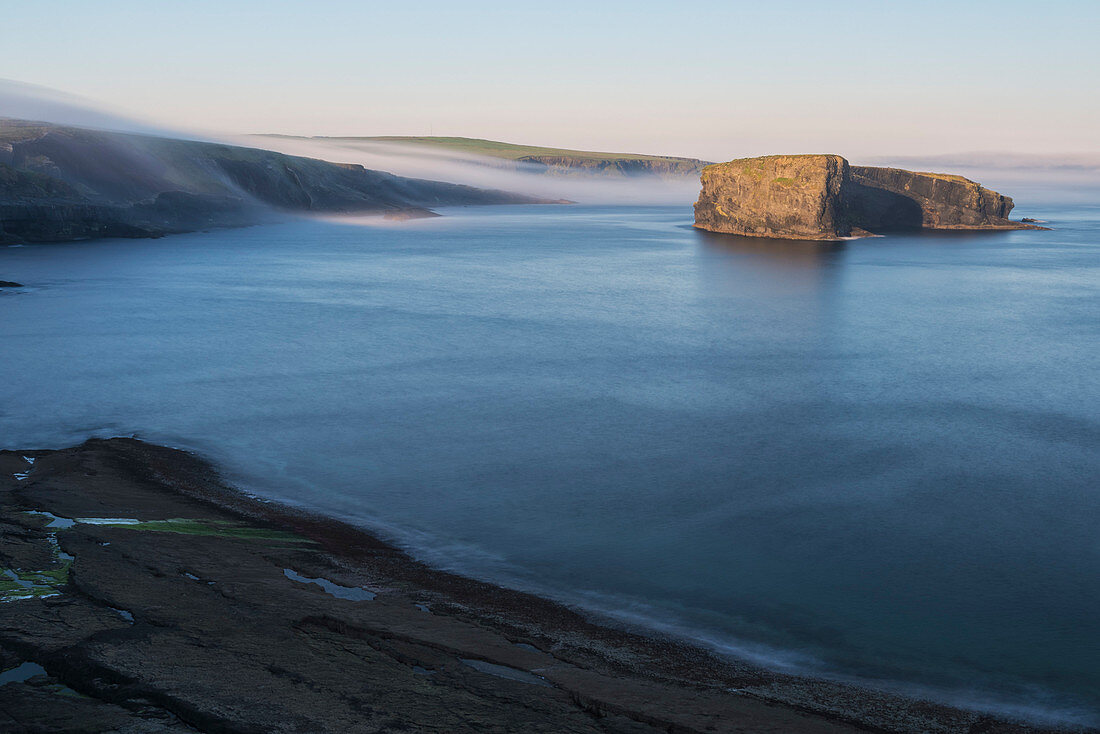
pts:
[485, 171]
[1029, 178]
[30, 102]
[22, 101]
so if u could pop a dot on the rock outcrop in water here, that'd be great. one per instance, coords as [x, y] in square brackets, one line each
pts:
[816, 197]
[795, 196]
[62, 183]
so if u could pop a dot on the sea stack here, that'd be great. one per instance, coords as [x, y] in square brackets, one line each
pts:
[822, 197]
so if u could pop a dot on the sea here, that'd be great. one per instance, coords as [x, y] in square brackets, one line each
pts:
[874, 460]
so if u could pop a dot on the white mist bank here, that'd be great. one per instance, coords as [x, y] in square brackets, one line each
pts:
[1071, 178]
[485, 171]
[40, 104]
[33, 103]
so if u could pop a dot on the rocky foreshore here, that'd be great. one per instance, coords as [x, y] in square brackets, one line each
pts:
[140, 594]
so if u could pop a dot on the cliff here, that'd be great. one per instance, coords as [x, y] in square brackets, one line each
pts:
[62, 183]
[885, 198]
[625, 166]
[821, 197]
[790, 196]
[530, 158]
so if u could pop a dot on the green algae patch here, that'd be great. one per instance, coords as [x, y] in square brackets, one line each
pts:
[17, 584]
[210, 528]
[785, 181]
[56, 577]
[20, 585]
[8, 585]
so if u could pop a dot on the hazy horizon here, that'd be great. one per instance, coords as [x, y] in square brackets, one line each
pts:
[718, 81]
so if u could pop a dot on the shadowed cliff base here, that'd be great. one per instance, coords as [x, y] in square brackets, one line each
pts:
[65, 183]
[821, 197]
[140, 594]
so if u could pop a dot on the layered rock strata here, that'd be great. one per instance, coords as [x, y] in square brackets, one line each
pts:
[822, 197]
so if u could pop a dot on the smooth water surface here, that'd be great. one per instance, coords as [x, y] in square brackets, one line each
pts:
[874, 458]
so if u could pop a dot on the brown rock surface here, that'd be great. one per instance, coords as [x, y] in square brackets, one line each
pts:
[881, 199]
[789, 196]
[821, 197]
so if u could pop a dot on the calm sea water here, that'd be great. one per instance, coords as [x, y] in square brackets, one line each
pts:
[876, 458]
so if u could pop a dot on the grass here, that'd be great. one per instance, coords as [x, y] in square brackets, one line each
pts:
[211, 528]
[51, 581]
[54, 577]
[944, 176]
[13, 131]
[514, 151]
[48, 582]
[44, 583]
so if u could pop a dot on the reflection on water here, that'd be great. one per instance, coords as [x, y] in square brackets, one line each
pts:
[795, 254]
[875, 457]
[788, 285]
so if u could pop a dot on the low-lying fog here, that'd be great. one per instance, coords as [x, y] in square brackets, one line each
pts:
[1066, 179]
[421, 161]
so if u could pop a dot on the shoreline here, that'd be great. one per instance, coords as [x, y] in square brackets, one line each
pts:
[269, 585]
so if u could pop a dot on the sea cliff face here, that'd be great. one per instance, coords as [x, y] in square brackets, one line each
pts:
[60, 183]
[792, 196]
[884, 198]
[821, 197]
[649, 166]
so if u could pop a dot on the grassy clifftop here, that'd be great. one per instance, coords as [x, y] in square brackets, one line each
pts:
[554, 160]
[515, 151]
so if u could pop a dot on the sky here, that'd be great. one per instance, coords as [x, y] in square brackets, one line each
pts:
[715, 80]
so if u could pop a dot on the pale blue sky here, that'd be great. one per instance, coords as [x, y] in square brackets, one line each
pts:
[711, 79]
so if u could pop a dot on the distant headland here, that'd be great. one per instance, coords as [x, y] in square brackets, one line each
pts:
[822, 197]
[529, 158]
[60, 183]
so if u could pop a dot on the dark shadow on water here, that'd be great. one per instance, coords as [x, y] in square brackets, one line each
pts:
[795, 254]
[799, 278]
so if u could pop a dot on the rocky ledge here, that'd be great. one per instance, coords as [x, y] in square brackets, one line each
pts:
[822, 197]
[138, 594]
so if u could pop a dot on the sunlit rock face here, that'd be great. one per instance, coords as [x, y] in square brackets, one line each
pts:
[821, 197]
[788, 196]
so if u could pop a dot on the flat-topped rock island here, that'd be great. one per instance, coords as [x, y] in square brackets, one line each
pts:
[822, 197]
